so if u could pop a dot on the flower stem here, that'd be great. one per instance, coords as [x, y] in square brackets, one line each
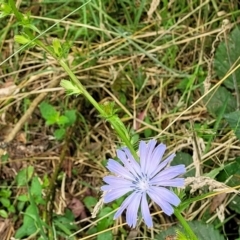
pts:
[185, 225]
[88, 96]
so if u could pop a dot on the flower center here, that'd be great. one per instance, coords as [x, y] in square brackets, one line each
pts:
[141, 184]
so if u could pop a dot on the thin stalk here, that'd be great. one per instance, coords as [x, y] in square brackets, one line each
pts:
[185, 225]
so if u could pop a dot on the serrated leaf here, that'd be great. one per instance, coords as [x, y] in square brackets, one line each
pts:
[49, 113]
[218, 99]
[201, 230]
[233, 120]
[186, 159]
[227, 54]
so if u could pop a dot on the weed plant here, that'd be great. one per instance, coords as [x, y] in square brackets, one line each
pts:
[88, 92]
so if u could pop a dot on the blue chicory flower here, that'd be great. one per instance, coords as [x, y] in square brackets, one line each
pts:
[149, 177]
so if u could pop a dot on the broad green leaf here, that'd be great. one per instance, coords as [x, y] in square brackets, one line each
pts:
[24, 176]
[5, 193]
[186, 159]
[227, 55]
[233, 120]
[71, 115]
[23, 198]
[5, 202]
[3, 213]
[105, 222]
[49, 113]
[29, 223]
[230, 169]
[231, 173]
[105, 236]
[65, 222]
[59, 133]
[62, 120]
[12, 209]
[216, 100]
[202, 231]
[36, 191]
[90, 202]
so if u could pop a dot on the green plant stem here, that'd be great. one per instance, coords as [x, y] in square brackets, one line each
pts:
[104, 114]
[185, 225]
[114, 124]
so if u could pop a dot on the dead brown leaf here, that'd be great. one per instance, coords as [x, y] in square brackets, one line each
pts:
[77, 208]
[216, 201]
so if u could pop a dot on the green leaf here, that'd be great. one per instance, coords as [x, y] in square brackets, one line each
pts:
[105, 222]
[57, 47]
[11, 209]
[105, 236]
[36, 191]
[65, 222]
[201, 230]
[186, 159]
[218, 99]
[5, 202]
[62, 120]
[72, 117]
[70, 87]
[5, 10]
[5, 193]
[227, 54]
[24, 176]
[233, 120]
[3, 213]
[49, 113]
[29, 223]
[232, 170]
[235, 204]
[21, 39]
[23, 198]
[59, 133]
[90, 202]
[31, 26]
